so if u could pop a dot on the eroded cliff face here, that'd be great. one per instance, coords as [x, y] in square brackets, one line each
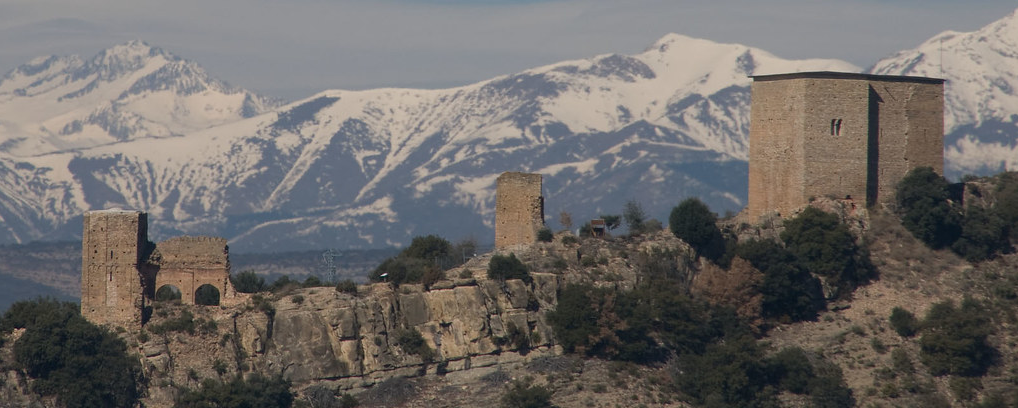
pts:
[318, 336]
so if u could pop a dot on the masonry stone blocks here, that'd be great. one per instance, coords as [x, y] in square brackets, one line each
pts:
[844, 135]
[519, 209]
[121, 270]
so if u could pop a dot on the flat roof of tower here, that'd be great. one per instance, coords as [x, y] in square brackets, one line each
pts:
[847, 75]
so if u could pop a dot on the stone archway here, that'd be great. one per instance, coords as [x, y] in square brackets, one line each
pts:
[168, 293]
[207, 295]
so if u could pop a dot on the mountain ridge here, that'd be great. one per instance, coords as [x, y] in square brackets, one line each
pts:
[372, 168]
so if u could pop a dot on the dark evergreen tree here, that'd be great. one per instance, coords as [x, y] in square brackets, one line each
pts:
[922, 199]
[693, 222]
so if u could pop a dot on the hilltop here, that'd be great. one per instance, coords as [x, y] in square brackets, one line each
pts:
[465, 339]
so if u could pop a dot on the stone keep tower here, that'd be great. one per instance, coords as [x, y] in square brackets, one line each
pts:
[113, 244]
[519, 209]
[840, 134]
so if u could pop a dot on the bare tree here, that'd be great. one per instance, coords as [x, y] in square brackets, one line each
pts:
[633, 213]
[566, 220]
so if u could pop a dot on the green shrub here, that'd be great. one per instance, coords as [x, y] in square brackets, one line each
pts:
[283, 284]
[544, 235]
[503, 267]
[297, 299]
[430, 247]
[922, 199]
[794, 370]
[693, 222]
[904, 322]
[791, 367]
[247, 282]
[521, 394]
[642, 325]
[348, 401]
[901, 362]
[727, 374]
[314, 282]
[569, 239]
[518, 338]
[421, 262]
[984, 233]
[346, 286]
[824, 246]
[82, 365]
[634, 216]
[256, 391]
[965, 388]
[954, 339]
[411, 341]
[611, 221]
[790, 293]
[183, 323]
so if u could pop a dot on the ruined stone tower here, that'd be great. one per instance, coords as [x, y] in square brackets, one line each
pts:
[113, 245]
[519, 209]
[121, 270]
[188, 263]
[835, 134]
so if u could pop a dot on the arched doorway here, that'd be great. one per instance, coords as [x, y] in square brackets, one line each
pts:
[206, 295]
[167, 293]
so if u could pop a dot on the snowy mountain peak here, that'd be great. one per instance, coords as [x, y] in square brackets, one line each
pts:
[981, 92]
[128, 91]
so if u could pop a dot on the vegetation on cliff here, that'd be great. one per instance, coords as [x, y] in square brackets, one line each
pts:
[80, 364]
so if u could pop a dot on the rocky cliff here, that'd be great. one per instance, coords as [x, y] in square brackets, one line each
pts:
[318, 336]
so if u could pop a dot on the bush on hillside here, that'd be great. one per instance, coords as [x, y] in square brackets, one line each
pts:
[790, 293]
[502, 267]
[346, 286]
[824, 246]
[247, 282]
[81, 364]
[421, 262]
[521, 394]
[257, 391]
[984, 233]
[544, 235]
[693, 222]
[634, 216]
[954, 339]
[922, 199]
[904, 322]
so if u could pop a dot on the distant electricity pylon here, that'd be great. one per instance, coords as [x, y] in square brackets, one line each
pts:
[329, 264]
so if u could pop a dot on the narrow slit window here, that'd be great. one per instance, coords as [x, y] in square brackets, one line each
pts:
[836, 127]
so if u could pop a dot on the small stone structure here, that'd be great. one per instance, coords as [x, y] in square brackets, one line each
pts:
[843, 135]
[121, 270]
[519, 209]
[188, 263]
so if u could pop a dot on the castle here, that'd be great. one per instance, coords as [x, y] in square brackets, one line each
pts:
[844, 135]
[519, 209]
[121, 271]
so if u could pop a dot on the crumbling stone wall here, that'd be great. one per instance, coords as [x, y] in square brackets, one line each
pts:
[121, 270]
[113, 245]
[519, 209]
[187, 263]
[839, 134]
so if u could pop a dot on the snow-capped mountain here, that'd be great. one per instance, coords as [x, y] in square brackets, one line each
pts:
[127, 92]
[136, 127]
[981, 93]
[374, 168]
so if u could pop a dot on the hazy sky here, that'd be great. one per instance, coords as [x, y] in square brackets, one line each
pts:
[297, 47]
